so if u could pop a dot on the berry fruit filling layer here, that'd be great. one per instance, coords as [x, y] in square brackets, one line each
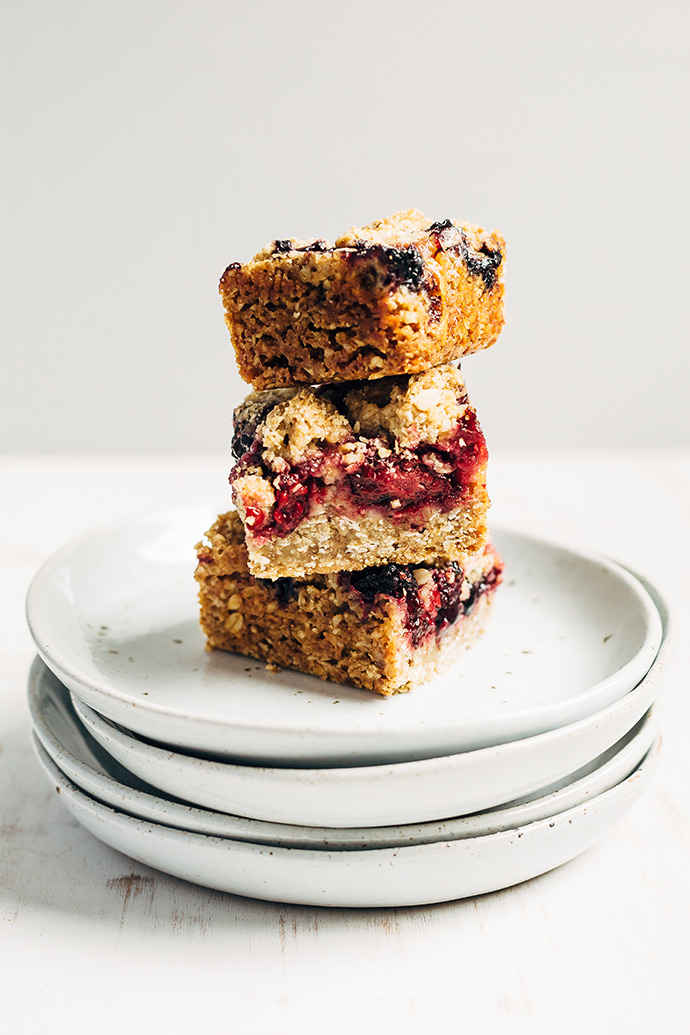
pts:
[431, 599]
[399, 450]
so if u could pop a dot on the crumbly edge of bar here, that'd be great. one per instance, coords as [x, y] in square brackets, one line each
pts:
[298, 317]
[336, 645]
[312, 324]
[329, 542]
[319, 634]
[321, 630]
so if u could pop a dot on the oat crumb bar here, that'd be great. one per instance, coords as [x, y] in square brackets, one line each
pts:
[384, 629]
[344, 477]
[397, 296]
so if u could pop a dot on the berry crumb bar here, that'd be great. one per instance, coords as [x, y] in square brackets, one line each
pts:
[397, 296]
[385, 628]
[343, 477]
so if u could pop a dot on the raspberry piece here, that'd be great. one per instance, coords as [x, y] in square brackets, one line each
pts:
[255, 518]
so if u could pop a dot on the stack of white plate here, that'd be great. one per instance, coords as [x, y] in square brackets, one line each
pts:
[280, 786]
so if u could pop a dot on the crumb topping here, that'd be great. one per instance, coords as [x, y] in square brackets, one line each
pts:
[402, 447]
[402, 227]
[424, 407]
[302, 425]
[292, 424]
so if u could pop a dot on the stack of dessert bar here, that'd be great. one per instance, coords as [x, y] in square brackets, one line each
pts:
[358, 550]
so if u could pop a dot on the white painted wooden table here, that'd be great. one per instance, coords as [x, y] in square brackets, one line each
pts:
[92, 942]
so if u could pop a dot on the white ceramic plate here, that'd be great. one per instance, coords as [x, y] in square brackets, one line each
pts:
[404, 876]
[93, 770]
[383, 795]
[114, 615]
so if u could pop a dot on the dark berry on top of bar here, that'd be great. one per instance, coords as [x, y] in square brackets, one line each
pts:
[483, 263]
[315, 246]
[440, 226]
[405, 265]
[283, 246]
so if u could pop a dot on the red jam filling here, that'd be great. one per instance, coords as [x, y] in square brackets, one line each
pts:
[402, 485]
[428, 610]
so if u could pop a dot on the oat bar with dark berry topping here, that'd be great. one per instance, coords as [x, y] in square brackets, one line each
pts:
[342, 477]
[385, 628]
[397, 296]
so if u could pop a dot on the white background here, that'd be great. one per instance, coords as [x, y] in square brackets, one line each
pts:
[149, 144]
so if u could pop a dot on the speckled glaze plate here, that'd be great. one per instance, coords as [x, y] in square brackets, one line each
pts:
[399, 876]
[94, 771]
[114, 615]
[400, 792]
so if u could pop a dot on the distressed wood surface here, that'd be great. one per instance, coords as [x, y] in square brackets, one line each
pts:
[91, 941]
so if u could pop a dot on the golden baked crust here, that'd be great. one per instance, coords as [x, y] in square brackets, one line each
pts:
[339, 626]
[397, 296]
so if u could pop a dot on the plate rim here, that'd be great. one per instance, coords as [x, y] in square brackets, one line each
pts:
[323, 797]
[50, 740]
[413, 875]
[646, 765]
